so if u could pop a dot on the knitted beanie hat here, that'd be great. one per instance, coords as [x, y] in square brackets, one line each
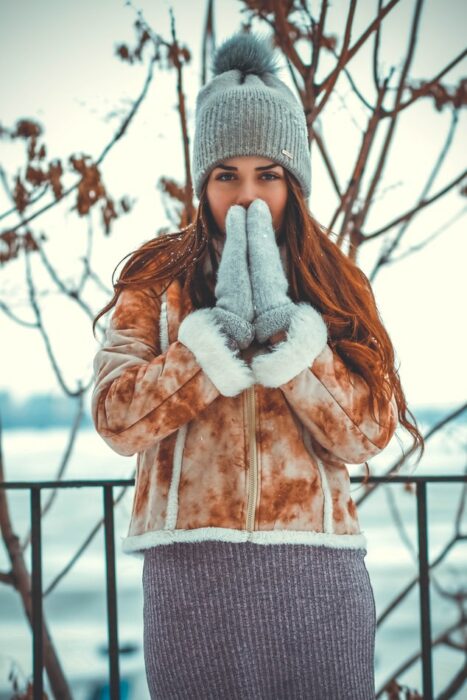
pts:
[247, 110]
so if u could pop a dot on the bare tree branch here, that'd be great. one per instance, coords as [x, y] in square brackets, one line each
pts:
[7, 578]
[8, 312]
[347, 201]
[188, 209]
[426, 87]
[95, 529]
[342, 60]
[378, 171]
[373, 26]
[402, 668]
[284, 39]
[66, 291]
[430, 237]
[386, 255]
[209, 40]
[22, 583]
[117, 136]
[63, 465]
[455, 684]
[445, 420]
[421, 205]
[316, 47]
[48, 346]
[376, 79]
[327, 160]
[14, 210]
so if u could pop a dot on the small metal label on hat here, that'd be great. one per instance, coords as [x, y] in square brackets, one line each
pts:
[287, 153]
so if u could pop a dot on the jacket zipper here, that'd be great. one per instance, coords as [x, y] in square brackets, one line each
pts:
[250, 405]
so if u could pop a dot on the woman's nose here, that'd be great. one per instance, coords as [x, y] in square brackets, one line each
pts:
[246, 196]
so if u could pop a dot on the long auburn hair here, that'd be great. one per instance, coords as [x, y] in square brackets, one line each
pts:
[318, 272]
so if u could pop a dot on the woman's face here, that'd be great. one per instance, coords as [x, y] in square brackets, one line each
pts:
[243, 179]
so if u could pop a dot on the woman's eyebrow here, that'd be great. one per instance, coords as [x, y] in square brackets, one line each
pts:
[262, 167]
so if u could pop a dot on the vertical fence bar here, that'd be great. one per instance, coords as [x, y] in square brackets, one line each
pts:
[424, 591]
[112, 622]
[37, 613]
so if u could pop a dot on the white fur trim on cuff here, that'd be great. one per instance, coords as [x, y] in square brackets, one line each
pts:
[306, 339]
[201, 333]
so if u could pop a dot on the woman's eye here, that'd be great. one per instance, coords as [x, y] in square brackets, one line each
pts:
[273, 176]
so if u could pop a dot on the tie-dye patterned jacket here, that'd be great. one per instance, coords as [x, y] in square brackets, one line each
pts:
[234, 447]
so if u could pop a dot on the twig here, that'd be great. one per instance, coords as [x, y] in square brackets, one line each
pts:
[21, 580]
[376, 51]
[63, 464]
[45, 337]
[418, 207]
[417, 655]
[419, 246]
[449, 417]
[455, 684]
[342, 60]
[189, 209]
[54, 583]
[385, 257]
[118, 135]
[378, 171]
[8, 312]
[426, 87]
[209, 37]
[359, 43]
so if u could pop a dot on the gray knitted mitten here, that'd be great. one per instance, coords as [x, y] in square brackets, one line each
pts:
[273, 308]
[234, 307]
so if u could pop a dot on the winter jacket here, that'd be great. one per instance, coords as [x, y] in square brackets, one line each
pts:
[247, 446]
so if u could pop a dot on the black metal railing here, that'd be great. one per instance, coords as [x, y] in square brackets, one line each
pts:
[107, 486]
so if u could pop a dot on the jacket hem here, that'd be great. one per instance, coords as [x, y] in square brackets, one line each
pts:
[135, 544]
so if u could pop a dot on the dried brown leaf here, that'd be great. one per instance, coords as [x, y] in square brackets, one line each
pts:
[35, 176]
[108, 214]
[178, 55]
[268, 7]
[125, 205]
[28, 694]
[55, 174]
[26, 129]
[9, 247]
[172, 188]
[442, 95]
[11, 243]
[20, 195]
[142, 37]
[90, 187]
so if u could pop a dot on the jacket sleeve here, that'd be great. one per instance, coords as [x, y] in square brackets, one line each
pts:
[141, 394]
[331, 401]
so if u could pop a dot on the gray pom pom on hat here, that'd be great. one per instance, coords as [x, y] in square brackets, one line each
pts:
[247, 110]
[247, 53]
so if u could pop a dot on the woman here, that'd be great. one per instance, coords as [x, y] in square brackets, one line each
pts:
[246, 364]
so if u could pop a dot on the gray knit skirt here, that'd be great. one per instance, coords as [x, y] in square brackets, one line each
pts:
[246, 621]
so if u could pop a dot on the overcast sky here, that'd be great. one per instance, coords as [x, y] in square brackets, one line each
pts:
[57, 65]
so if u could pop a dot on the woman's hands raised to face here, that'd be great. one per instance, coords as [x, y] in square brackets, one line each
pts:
[251, 288]
[272, 306]
[234, 307]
